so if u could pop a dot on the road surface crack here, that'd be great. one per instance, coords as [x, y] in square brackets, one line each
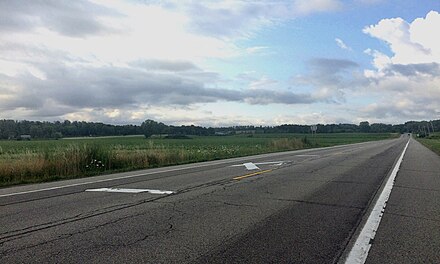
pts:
[412, 216]
[29, 230]
[317, 203]
[415, 188]
[231, 204]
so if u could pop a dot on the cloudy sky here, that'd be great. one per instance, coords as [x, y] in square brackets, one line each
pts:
[216, 63]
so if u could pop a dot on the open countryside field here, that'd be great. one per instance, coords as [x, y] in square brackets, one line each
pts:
[47, 160]
[432, 142]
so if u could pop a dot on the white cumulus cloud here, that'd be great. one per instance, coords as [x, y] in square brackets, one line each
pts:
[407, 83]
[410, 42]
[342, 44]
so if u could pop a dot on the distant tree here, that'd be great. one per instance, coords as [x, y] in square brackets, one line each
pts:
[381, 128]
[57, 135]
[36, 131]
[151, 127]
[8, 129]
[364, 126]
[11, 129]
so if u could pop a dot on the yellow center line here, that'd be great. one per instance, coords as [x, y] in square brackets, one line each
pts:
[251, 174]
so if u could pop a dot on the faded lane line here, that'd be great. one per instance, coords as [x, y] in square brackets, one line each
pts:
[250, 175]
[359, 253]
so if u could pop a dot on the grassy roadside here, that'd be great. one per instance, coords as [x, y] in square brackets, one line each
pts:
[48, 160]
[432, 142]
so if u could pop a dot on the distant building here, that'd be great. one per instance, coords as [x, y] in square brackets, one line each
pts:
[219, 133]
[245, 132]
[25, 137]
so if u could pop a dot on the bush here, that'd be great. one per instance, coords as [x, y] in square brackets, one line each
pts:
[177, 136]
[286, 144]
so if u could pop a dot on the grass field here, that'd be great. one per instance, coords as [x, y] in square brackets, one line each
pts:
[48, 160]
[432, 142]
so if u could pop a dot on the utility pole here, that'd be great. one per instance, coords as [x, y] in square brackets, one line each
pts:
[432, 127]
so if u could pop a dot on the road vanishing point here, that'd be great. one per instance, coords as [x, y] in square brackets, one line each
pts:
[373, 202]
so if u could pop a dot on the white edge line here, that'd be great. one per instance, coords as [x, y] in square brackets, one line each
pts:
[359, 252]
[176, 169]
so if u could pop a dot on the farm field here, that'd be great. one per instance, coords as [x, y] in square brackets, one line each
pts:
[48, 160]
[432, 142]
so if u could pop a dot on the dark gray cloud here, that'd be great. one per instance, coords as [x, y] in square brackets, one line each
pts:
[241, 20]
[327, 66]
[263, 97]
[161, 65]
[16, 95]
[404, 99]
[69, 89]
[73, 18]
[385, 111]
[390, 111]
[432, 69]
[331, 78]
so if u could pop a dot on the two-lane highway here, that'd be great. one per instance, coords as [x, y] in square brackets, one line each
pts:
[292, 207]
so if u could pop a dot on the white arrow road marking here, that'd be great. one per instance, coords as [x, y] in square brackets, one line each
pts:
[269, 162]
[253, 166]
[250, 166]
[272, 163]
[123, 190]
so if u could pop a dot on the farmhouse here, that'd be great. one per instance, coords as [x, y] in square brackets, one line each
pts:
[25, 137]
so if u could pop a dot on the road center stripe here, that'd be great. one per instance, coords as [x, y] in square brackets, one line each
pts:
[250, 175]
[359, 252]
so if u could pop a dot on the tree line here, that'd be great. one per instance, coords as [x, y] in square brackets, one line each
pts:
[11, 129]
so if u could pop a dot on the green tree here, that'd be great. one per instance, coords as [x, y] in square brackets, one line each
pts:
[151, 127]
[364, 127]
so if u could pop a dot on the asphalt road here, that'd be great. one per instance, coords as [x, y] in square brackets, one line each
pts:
[410, 229]
[298, 207]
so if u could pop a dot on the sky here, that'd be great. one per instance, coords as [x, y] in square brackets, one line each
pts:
[220, 63]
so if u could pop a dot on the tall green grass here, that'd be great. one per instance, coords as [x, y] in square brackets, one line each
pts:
[432, 142]
[48, 160]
